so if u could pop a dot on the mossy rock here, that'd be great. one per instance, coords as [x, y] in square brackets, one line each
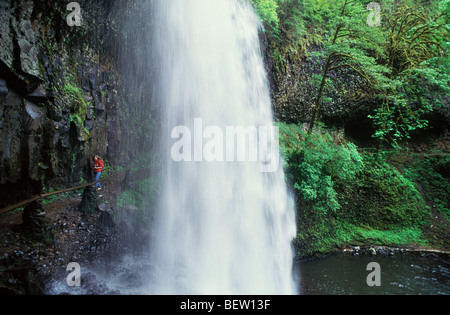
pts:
[89, 203]
[36, 225]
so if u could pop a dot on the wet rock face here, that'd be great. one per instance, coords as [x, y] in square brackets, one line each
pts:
[45, 138]
[59, 106]
[19, 49]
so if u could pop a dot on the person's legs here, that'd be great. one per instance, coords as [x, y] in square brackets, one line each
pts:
[97, 177]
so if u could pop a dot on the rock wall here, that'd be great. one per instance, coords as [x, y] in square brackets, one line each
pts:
[61, 102]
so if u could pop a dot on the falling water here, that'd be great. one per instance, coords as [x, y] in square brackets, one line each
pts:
[223, 226]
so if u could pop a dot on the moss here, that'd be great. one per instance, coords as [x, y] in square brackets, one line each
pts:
[136, 204]
[361, 235]
[143, 193]
[383, 198]
[431, 173]
[350, 198]
[78, 109]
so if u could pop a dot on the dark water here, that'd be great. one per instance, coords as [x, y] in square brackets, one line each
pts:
[402, 274]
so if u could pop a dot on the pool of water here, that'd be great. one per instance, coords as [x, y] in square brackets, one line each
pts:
[402, 274]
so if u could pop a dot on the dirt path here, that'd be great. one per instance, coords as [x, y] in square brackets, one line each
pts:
[79, 238]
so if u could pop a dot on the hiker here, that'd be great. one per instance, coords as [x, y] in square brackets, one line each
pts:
[98, 168]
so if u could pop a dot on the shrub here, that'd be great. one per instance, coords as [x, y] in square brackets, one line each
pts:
[431, 172]
[348, 198]
[316, 163]
[267, 11]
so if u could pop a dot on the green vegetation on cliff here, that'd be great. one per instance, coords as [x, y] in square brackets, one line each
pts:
[397, 69]
[346, 196]
[332, 63]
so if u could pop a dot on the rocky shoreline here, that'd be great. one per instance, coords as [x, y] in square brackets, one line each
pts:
[391, 251]
[381, 250]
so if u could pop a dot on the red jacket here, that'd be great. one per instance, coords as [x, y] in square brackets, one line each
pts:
[98, 166]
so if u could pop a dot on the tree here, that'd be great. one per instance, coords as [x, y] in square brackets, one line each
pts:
[267, 11]
[353, 44]
[414, 36]
[404, 61]
[417, 56]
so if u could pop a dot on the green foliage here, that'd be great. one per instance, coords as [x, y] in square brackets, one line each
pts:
[55, 198]
[416, 92]
[384, 197]
[314, 165]
[343, 196]
[417, 56]
[414, 34]
[348, 198]
[349, 43]
[360, 235]
[79, 106]
[404, 61]
[267, 11]
[317, 165]
[431, 172]
[15, 212]
[78, 109]
[136, 202]
[140, 196]
[307, 21]
[395, 120]
[129, 197]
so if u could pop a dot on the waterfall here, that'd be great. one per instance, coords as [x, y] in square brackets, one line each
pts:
[225, 219]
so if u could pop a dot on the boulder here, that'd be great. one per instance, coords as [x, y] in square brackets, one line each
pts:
[90, 201]
[36, 225]
[106, 215]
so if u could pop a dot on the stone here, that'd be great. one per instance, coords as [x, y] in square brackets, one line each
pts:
[19, 52]
[36, 225]
[89, 203]
[34, 117]
[106, 215]
[11, 139]
[38, 96]
[3, 88]
[6, 44]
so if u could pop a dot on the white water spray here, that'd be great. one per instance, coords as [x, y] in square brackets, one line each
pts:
[222, 227]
